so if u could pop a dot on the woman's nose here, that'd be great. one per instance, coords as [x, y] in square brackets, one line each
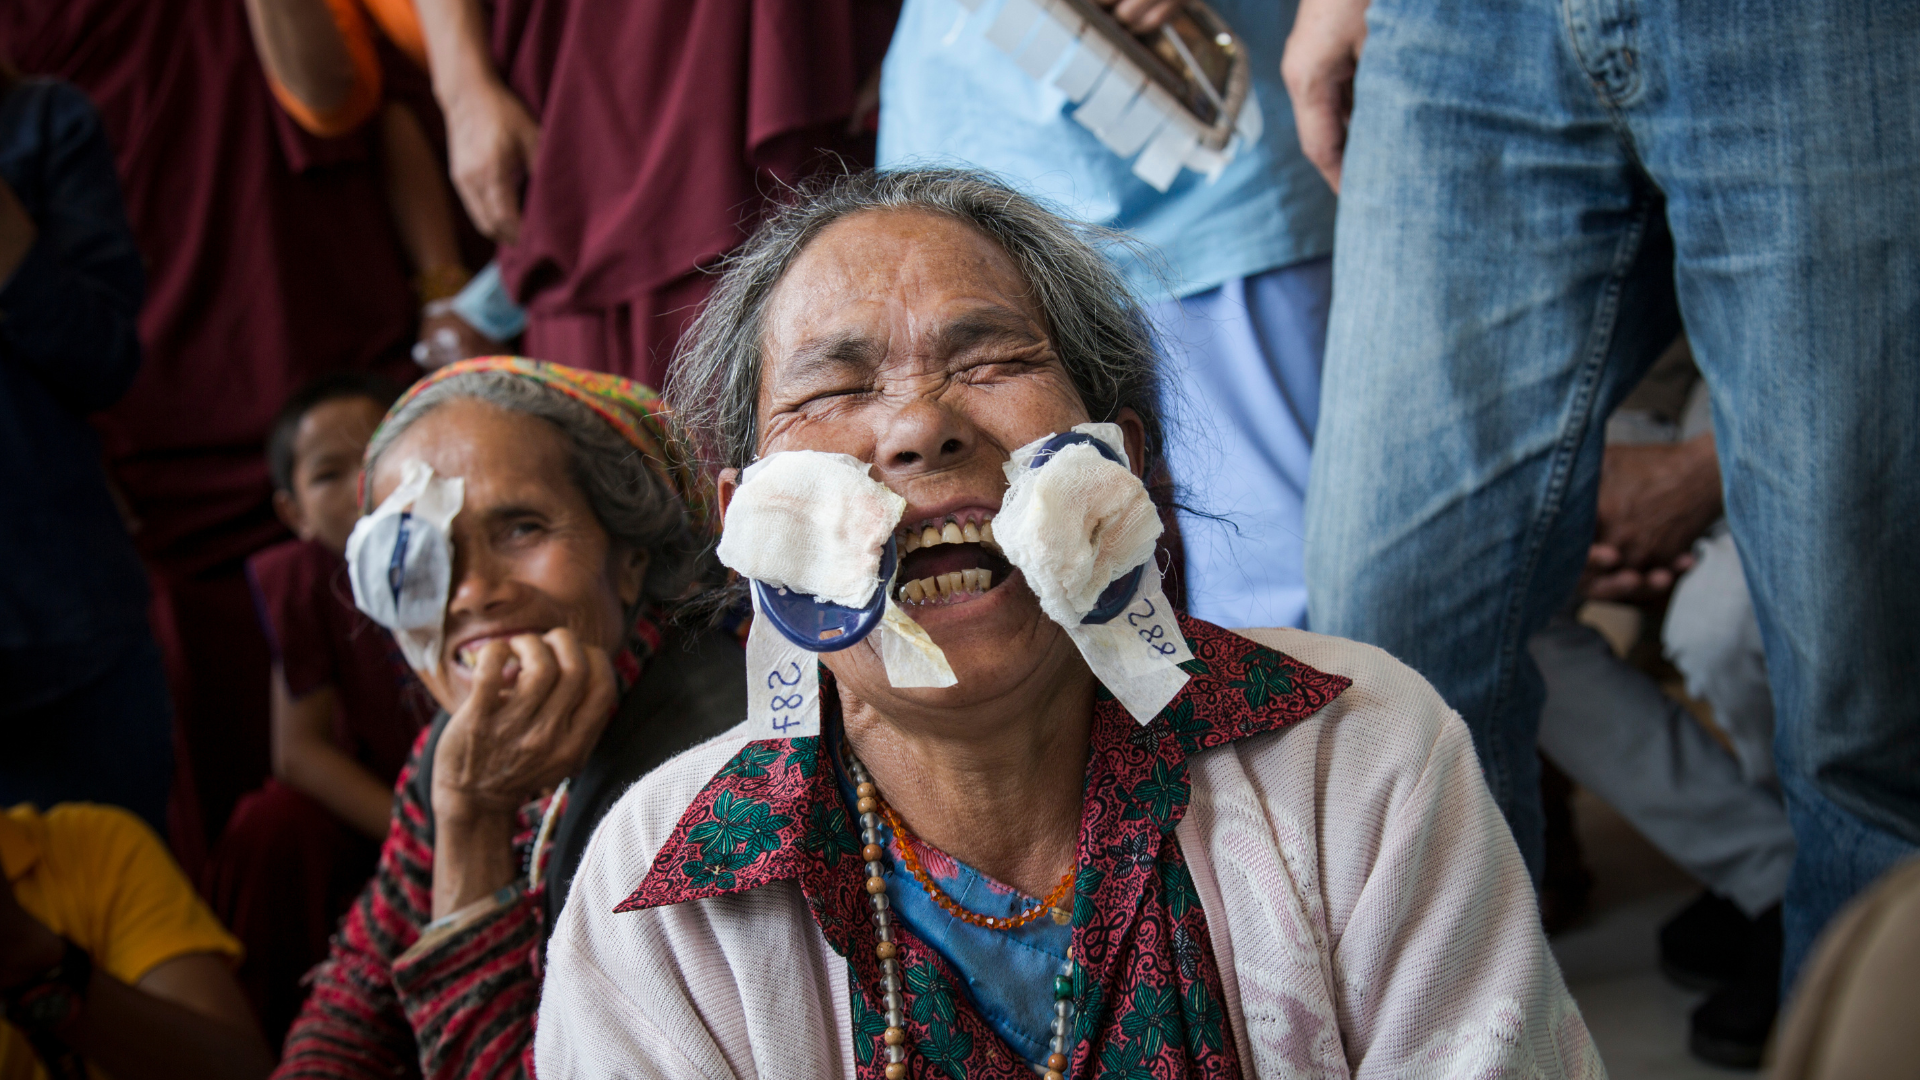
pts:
[481, 583]
[923, 435]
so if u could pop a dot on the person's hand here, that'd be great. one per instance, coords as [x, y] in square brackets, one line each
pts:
[1655, 501]
[1142, 16]
[537, 706]
[491, 143]
[17, 232]
[1322, 54]
[1606, 579]
[446, 337]
[27, 947]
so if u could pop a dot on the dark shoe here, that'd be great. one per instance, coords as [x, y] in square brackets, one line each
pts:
[1707, 945]
[1730, 1028]
[1567, 884]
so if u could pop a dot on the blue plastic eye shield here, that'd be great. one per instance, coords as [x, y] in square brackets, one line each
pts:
[825, 628]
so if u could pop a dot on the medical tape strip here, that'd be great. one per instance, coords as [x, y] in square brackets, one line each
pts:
[400, 561]
[1159, 164]
[912, 659]
[1009, 28]
[1142, 120]
[1137, 654]
[783, 683]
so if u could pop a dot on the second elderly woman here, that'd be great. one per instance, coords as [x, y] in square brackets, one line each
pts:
[1294, 869]
[553, 664]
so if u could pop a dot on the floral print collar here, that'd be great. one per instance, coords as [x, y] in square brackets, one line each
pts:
[1147, 991]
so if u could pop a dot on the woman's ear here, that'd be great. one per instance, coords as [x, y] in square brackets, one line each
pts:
[630, 575]
[728, 482]
[1133, 431]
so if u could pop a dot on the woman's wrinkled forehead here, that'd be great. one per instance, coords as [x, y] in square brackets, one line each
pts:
[479, 441]
[896, 281]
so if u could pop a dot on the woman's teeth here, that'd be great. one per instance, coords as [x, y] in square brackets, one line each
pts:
[955, 584]
[952, 531]
[962, 584]
[468, 656]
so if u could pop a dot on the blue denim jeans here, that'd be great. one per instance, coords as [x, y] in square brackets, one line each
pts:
[1536, 194]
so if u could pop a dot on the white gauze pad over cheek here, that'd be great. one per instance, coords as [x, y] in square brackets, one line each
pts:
[1075, 524]
[812, 522]
[400, 561]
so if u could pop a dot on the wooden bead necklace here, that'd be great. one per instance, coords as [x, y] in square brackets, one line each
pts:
[892, 993]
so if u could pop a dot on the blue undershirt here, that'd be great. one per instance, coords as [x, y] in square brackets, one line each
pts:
[1008, 973]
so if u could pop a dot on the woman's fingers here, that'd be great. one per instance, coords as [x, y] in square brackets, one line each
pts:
[570, 687]
[563, 703]
[580, 713]
[462, 757]
[539, 672]
[1144, 16]
[511, 741]
[1318, 66]
[489, 676]
[596, 706]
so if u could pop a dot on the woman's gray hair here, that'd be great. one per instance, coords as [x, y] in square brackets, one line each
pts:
[1096, 325]
[638, 509]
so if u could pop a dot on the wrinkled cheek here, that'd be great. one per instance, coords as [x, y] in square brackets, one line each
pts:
[599, 619]
[843, 430]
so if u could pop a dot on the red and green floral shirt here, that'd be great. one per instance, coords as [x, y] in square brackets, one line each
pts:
[1146, 988]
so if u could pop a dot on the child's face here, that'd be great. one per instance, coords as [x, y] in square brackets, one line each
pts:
[327, 450]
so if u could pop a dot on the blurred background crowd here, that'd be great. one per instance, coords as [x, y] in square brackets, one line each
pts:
[1570, 356]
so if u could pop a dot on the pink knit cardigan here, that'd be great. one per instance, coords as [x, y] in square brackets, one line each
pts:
[1370, 914]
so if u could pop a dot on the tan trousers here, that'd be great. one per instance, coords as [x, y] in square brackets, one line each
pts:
[1856, 1013]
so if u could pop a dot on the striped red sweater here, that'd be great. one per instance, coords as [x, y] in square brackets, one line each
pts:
[462, 1007]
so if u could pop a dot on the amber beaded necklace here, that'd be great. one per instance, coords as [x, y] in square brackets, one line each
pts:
[947, 904]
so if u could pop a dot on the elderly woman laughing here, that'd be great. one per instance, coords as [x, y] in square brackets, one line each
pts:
[546, 533]
[1292, 868]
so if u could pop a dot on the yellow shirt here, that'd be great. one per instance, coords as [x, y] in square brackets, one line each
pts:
[98, 875]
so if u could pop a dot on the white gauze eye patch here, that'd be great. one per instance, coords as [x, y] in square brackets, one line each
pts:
[1074, 526]
[812, 522]
[815, 523]
[400, 561]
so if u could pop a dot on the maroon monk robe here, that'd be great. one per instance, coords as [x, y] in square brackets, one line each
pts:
[286, 868]
[270, 260]
[663, 129]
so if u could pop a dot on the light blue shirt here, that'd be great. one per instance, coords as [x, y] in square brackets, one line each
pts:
[949, 96]
[1009, 973]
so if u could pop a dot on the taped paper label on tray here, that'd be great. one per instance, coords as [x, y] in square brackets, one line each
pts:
[783, 684]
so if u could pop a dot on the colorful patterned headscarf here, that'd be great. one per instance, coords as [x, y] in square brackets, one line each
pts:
[632, 409]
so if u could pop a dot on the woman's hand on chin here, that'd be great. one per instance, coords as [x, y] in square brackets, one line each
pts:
[505, 745]
[508, 742]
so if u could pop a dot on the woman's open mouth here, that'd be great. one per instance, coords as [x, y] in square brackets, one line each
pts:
[950, 561]
[467, 655]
